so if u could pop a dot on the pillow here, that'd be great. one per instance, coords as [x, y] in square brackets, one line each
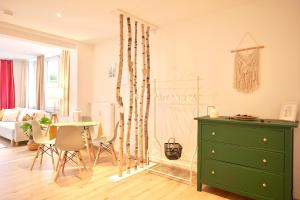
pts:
[33, 113]
[38, 115]
[22, 114]
[26, 118]
[10, 115]
[1, 114]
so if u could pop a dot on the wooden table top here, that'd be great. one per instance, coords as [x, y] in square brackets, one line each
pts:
[84, 124]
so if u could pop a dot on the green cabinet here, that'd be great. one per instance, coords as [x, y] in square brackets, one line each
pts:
[250, 158]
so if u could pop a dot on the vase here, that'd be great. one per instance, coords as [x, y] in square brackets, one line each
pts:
[31, 145]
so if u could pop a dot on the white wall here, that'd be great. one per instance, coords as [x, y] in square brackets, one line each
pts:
[85, 84]
[201, 46]
[73, 81]
[105, 55]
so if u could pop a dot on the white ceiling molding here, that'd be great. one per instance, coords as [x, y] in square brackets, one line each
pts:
[36, 36]
[15, 48]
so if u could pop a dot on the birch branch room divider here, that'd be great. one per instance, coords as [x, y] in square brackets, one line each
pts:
[141, 115]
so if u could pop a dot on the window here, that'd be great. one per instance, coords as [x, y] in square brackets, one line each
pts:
[52, 71]
[52, 90]
[51, 78]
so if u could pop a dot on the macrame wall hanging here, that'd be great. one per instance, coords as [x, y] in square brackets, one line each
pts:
[246, 66]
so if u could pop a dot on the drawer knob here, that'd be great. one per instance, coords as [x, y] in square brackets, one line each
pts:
[212, 172]
[264, 160]
[264, 185]
[213, 133]
[213, 151]
[265, 140]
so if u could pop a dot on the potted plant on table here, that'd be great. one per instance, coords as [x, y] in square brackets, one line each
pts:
[27, 129]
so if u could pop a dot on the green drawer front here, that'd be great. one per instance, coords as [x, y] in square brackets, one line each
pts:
[258, 137]
[271, 161]
[242, 179]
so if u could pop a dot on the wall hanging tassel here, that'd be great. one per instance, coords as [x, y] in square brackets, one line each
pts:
[246, 66]
[246, 71]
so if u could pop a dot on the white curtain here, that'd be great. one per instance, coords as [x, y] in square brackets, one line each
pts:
[64, 82]
[23, 84]
[40, 84]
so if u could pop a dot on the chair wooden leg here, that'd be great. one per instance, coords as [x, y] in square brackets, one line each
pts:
[51, 150]
[92, 150]
[58, 169]
[97, 155]
[36, 156]
[113, 153]
[12, 143]
[80, 157]
[42, 153]
[78, 160]
[56, 150]
[88, 146]
[64, 161]
[59, 160]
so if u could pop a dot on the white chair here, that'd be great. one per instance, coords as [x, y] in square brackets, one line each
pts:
[69, 141]
[105, 144]
[45, 144]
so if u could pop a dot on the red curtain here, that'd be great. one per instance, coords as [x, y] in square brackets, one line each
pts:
[7, 86]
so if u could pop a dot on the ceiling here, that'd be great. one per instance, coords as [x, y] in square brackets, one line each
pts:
[92, 20]
[12, 48]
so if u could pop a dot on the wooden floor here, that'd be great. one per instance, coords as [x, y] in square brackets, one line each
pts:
[18, 182]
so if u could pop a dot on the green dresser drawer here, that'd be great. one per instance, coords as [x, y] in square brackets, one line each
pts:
[260, 184]
[260, 159]
[250, 158]
[258, 137]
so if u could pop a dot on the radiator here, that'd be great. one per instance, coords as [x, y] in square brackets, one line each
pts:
[104, 113]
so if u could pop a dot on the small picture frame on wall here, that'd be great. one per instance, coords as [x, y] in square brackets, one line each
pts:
[289, 111]
[112, 70]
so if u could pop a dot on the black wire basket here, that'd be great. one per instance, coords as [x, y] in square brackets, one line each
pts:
[172, 149]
